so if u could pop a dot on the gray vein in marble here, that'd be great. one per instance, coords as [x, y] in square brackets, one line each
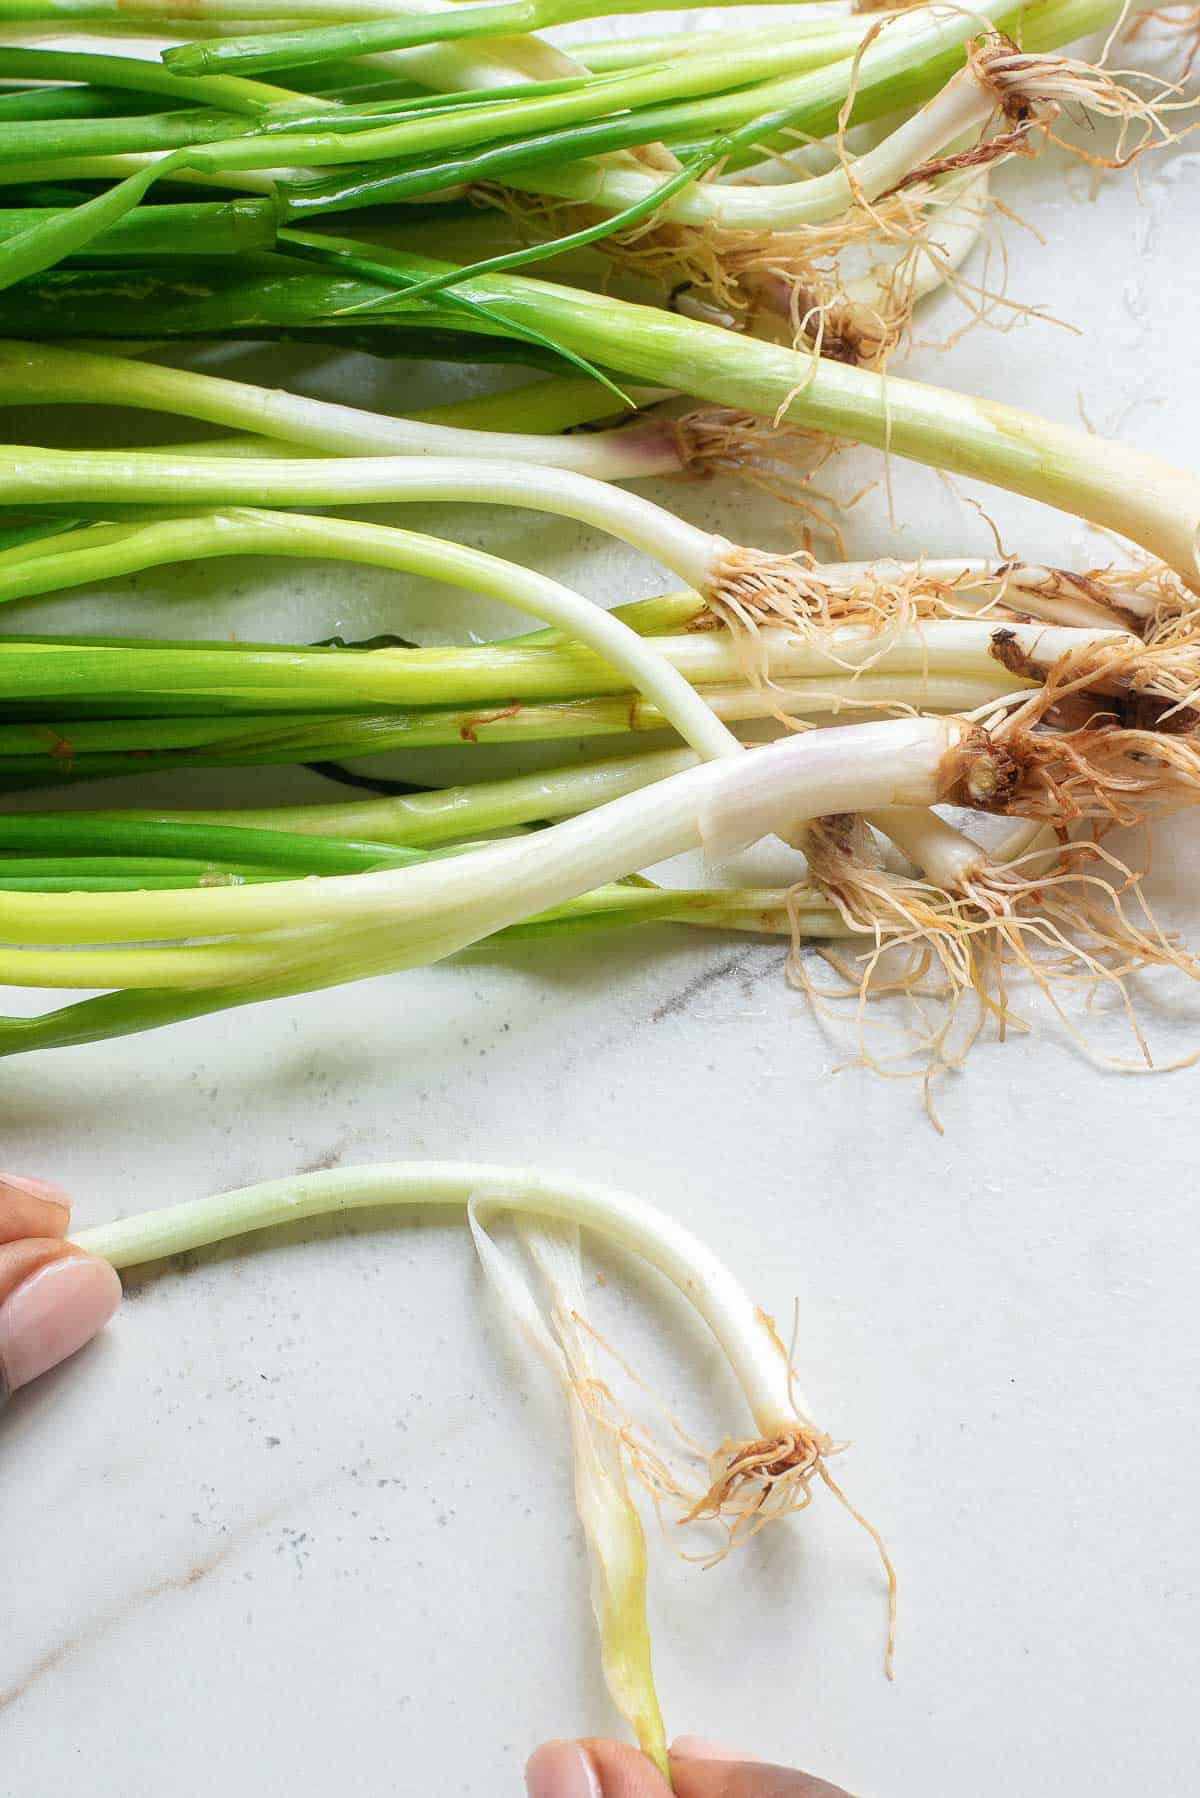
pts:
[98, 1627]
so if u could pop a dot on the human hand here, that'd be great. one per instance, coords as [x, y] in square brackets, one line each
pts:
[599, 1769]
[53, 1297]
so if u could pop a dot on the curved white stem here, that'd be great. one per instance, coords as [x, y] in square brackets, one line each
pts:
[964, 104]
[741, 1329]
[45, 374]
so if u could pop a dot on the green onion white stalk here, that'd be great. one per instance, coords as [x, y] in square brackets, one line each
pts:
[33, 374]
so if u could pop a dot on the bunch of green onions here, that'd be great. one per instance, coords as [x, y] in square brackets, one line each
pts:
[429, 105]
[229, 904]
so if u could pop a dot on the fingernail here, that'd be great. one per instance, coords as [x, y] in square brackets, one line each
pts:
[696, 1748]
[52, 1314]
[562, 1770]
[26, 1187]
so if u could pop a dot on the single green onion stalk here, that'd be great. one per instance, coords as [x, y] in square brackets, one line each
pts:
[32, 374]
[764, 1476]
[742, 1329]
[218, 228]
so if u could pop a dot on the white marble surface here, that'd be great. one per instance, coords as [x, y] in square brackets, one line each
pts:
[292, 1527]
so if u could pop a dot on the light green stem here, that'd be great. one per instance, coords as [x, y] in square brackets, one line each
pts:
[741, 1328]
[54, 672]
[420, 820]
[34, 374]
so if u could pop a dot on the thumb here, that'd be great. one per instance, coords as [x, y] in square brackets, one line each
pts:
[600, 1769]
[53, 1298]
[593, 1769]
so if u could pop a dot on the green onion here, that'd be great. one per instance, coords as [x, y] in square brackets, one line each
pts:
[723, 803]
[53, 752]
[290, 936]
[202, 843]
[767, 1476]
[1110, 484]
[35, 375]
[68, 102]
[42, 139]
[966, 104]
[520, 587]
[229, 92]
[416, 820]
[222, 228]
